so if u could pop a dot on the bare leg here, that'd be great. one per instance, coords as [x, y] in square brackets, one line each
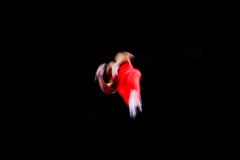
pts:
[135, 104]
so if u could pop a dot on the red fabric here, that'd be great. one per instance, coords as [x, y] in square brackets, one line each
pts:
[128, 79]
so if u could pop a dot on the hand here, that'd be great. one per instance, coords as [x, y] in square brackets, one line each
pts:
[100, 71]
[115, 70]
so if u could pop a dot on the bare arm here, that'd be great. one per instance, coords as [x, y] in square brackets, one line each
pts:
[106, 87]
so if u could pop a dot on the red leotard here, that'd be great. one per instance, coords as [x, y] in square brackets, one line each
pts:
[128, 79]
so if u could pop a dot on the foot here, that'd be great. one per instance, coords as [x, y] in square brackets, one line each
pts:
[135, 105]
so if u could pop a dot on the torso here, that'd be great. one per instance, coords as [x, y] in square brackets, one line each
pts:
[124, 69]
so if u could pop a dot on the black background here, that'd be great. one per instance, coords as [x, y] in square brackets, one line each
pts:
[68, 117]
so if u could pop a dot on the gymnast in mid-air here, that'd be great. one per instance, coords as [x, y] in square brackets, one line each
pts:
[124, 78]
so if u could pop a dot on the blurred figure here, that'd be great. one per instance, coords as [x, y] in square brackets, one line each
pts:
[124, 78]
